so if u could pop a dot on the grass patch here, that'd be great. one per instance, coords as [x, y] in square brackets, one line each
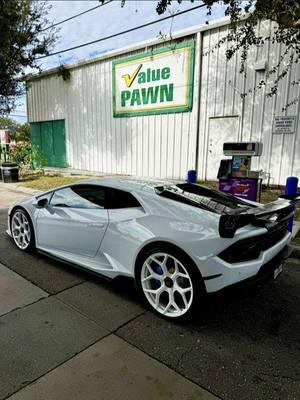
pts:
[46, 182]
[268, 195]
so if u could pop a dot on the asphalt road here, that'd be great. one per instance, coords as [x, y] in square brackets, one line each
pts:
[238, 348]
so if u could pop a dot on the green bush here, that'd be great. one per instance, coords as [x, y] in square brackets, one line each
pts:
[39, 159]
[27, 155]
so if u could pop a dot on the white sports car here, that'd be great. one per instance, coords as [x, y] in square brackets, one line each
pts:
[178, 241]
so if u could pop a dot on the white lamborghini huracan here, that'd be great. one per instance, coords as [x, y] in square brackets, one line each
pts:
[178, 241]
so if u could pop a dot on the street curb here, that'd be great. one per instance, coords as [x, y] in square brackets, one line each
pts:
[19, 188]
[296, 251]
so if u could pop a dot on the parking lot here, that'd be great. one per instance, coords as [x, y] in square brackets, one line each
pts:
[238, 348]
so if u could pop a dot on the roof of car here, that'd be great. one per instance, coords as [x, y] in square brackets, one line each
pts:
[128, 183]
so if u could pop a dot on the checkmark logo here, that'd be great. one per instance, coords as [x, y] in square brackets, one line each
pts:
[130, 79]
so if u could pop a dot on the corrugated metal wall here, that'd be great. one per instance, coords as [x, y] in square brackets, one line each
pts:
[165, 145]
[153, 146]
[221, 85]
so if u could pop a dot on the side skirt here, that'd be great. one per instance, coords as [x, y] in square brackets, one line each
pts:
[76, 266]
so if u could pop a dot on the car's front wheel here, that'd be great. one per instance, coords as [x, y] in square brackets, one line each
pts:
[22, 230]
[170, 283]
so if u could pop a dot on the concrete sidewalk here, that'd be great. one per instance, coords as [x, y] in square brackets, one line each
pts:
[112, 369]
[16, 292]
[51, 350]
[12, 192]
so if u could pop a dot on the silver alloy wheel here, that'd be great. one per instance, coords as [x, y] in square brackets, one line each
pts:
[21, 231]
[167, 284]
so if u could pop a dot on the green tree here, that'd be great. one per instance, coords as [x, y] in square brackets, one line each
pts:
[244, 16]
[17, 132]
[23, 38]
[23, 134]
[11, 125]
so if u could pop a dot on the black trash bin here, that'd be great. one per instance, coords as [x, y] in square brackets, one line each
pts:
[10, 172]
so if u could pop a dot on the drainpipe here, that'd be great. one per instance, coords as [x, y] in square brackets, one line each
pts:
[27, 108]
[242, 119]
[199, 45]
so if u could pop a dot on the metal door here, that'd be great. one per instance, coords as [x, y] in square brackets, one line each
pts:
[50, 136]
[220, 130]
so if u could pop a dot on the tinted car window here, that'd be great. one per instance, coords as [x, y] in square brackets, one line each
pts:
[81, 196]
[120, 199]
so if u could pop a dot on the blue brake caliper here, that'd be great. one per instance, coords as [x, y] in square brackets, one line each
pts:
[158, 270]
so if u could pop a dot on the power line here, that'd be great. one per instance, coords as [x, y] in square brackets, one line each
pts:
[121, 33]
[16, 115]
[75, 16]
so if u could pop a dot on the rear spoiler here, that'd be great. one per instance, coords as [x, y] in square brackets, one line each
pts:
[267, 216]
[295, 197]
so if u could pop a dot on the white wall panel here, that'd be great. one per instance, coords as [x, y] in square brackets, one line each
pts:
[221, 85]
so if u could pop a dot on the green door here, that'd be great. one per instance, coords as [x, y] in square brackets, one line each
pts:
[35, 133]
[59, 143]
[47, 142]
[50, 136]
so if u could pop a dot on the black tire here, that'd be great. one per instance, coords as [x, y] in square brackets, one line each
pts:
[198, 286]
[31, 245]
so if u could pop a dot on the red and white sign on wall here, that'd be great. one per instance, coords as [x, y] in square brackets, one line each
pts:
[4, 136]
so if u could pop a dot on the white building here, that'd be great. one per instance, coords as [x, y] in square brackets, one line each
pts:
[113, 116]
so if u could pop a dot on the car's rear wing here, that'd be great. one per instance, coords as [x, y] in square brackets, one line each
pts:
[269, 215]
[295, 197]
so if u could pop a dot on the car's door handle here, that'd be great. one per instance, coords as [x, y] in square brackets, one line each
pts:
[96, 225]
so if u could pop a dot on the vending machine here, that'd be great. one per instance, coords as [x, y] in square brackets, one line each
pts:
[235, 174]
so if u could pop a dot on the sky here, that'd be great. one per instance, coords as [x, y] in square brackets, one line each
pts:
[108, 19]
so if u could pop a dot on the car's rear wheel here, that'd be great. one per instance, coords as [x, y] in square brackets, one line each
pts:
[22, 230]
[170, 283]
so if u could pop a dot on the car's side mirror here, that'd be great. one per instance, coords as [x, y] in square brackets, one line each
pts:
[42, 203]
